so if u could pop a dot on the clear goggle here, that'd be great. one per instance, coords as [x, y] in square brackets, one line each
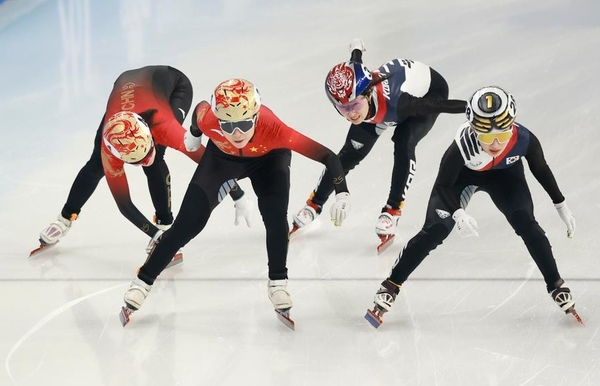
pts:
[352, 107]
[242, 126]
[500, 136]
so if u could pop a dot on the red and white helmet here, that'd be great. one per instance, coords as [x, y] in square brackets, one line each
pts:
[235, 100]
[127, 136]
[346, 81]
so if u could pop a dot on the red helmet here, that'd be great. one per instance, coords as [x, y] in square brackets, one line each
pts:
[346, 81]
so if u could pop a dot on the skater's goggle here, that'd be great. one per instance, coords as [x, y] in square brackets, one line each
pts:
[242, 126]
[147, 158]
[500, 136]
[352, 107]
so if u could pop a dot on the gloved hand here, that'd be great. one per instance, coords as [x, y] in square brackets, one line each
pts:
[356, 44]
[244, 207]
[340, 209]
[567, 217]
[154, 241]
[192, 143]
[465, 224]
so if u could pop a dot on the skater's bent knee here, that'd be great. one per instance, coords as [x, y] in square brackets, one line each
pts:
[523, 222]
[437, 232]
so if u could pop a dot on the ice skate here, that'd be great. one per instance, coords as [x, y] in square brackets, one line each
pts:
[50, 236]
[134, 298]
[282, 302]
[56, 230]
[385, 242]
[386, 227]
[384, 298]
[305, 216]
[42, 248]
[563, 298]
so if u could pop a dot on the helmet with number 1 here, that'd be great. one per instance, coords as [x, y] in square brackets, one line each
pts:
[127, 136]
[491, 108]
[235, 100]
[346, 81]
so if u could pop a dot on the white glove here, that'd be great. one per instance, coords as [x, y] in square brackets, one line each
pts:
[243, 210]
[567, 217]
[340, 208]
[465, 224]
[356, 44]
[153, 241]
[192, 143]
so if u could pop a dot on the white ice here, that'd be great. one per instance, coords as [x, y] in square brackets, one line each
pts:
[474, 313]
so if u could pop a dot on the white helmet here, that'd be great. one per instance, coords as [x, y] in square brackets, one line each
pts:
[127, 136]
[491, 108]
[235, 100]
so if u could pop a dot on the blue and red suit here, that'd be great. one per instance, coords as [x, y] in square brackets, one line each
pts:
[407, 101]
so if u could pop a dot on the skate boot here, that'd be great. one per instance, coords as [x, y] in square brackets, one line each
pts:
[306, 215]
[136, 294]
[56, 230]
[384, 298]
[134, 298]
[50, 236]
[279, 295]
[386, 227]
[282, 302]
[563, 298]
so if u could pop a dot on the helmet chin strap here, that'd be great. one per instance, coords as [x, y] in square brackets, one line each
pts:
[372, 105]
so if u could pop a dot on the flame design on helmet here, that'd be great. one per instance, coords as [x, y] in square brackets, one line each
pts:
[127, 136]
[346, 81]
[235, 100]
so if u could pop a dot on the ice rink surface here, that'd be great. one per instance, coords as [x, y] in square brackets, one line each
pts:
[474, 313]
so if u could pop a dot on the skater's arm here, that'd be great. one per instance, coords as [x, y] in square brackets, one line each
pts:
[317, 152]
[541, 171]
[411, 105]
[450, 167]
[119, 187]
[170, 133]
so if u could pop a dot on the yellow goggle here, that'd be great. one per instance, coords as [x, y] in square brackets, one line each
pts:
[500, 136]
